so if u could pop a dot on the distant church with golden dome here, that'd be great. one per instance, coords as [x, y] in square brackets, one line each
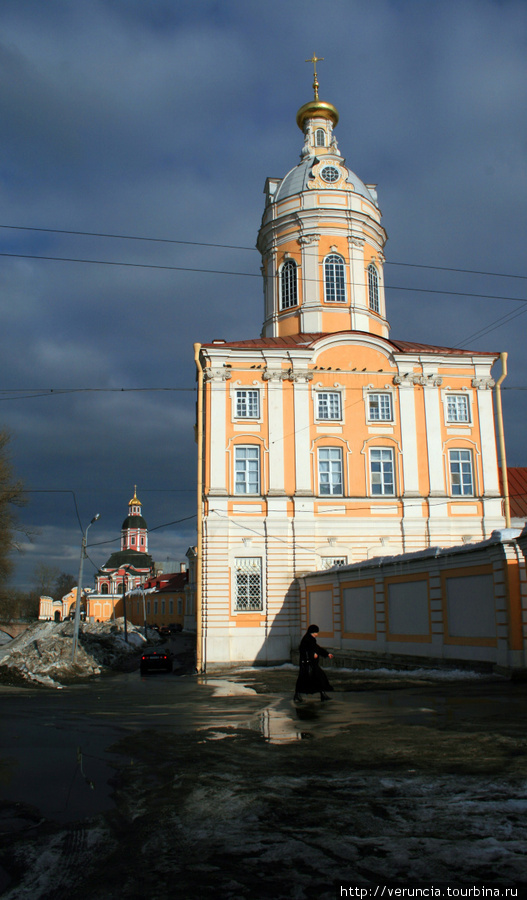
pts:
[325, 441]
[132, 564]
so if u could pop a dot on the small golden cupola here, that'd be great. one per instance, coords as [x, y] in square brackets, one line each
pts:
[321, 238]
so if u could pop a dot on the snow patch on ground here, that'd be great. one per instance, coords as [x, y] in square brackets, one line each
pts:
[418, 673]
[43, 653]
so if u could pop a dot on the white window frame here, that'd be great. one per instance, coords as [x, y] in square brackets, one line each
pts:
[330, 465]
[332, 402]
[386, 459]
[247, 581]
[318, 142]
[246, 403]
[374, 302]
[380, 418]
[454, 398]
[460, 486]
[288, 284]
[334, 289]
[241, 456]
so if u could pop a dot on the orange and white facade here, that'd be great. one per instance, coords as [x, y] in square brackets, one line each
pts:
[325, 441]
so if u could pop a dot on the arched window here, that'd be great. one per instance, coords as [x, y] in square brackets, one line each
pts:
[334, 279]
[288, 285]
[320, 138]
[104, 589]
[373, 289]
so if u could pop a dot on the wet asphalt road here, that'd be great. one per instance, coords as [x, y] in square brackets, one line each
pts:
[222, 785]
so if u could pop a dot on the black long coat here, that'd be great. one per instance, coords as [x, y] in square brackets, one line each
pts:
[311, 678]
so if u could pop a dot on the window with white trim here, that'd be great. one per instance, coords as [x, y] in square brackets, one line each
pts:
[180, 606]
[170, 607]
[373, 289]
[380, 408]
[330, 471]
[248, 595]
[334, 279]
[247, 470]
[320, 137]
[288, 285]
[329, 405]
[247, 404]
[328, 562]
[382, 471]
[461, 477]
[457, 408]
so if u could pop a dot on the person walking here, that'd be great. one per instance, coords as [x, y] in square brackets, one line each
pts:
[311, 678]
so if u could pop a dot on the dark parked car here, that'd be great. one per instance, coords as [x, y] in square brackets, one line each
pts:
[154, 660]
[175, 628]
[164, 631]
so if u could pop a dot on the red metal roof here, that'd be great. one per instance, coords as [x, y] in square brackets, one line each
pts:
[308, 339]
[171, 581]
[517, 478]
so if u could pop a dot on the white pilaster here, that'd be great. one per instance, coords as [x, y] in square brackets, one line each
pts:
[275, 407]
[302, 449]
[436, 471]
[409, 439]
[489, 459]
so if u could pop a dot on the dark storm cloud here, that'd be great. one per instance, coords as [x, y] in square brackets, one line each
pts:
[163, 120]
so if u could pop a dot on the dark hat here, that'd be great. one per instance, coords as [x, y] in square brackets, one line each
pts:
[313, 629]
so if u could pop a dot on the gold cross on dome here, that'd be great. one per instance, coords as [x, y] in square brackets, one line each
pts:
[314, 59]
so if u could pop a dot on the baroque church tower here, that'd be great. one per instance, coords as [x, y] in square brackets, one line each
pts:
[322, 240]
[326, 441]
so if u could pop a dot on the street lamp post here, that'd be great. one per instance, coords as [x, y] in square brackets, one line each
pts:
[79, 591]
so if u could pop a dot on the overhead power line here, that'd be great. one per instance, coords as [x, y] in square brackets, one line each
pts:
[133, 237]
[133, 265]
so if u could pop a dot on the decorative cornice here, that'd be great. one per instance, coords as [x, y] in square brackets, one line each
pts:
[222, 374]
[483, 384]
[305, 239]
[357, 241]
[286, 375]
[424, 380]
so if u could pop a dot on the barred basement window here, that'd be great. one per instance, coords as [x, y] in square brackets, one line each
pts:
[248, 584]
[328, 562]
[288, 285]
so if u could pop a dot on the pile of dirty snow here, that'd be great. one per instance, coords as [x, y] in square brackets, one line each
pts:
[43, 653]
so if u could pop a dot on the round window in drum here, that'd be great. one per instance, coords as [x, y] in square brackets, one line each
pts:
[330, 174]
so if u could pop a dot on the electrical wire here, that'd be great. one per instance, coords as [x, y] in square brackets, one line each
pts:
[133, 265]
[129, 237]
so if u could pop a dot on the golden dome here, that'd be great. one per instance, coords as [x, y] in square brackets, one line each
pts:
[134, 501]
[316, 108]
